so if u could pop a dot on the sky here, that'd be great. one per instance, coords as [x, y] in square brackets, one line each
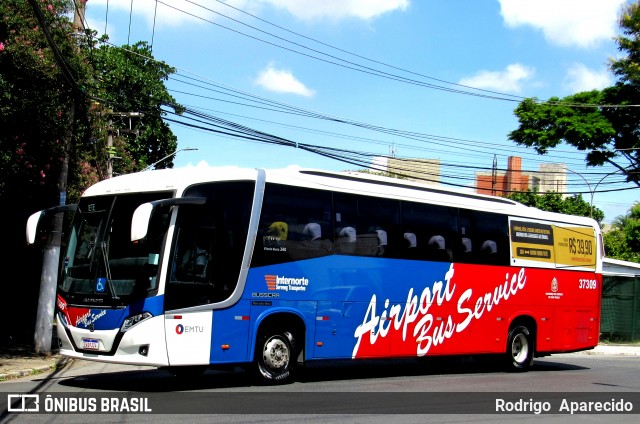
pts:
[429, 79]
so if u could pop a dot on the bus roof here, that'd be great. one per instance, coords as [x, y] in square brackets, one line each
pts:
[180, 179]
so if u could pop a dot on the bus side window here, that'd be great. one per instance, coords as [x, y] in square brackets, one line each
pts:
[346, 241]
[489, 234]
[367, 226]
[291, 225]
[430, 231]
[438, 249]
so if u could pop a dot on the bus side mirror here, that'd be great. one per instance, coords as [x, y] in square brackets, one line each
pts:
[140, 221]
[142, 214]
[32, 226]
[34, 219]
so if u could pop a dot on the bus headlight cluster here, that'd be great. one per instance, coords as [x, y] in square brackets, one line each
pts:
[134, 320]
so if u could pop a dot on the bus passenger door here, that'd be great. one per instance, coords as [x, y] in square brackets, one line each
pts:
[188, 337]
[190, 283]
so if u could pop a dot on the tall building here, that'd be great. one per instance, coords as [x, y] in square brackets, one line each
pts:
[552, 177]
[426, 171]
[549, 177]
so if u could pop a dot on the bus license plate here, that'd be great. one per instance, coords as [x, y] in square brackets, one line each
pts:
[91, 344]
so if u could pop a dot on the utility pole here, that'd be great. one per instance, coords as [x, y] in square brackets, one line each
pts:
[47, 296]
[494, 175]
[110, 148]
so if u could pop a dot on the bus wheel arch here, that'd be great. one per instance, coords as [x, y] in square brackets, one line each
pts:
[279, 341]
[520, 348]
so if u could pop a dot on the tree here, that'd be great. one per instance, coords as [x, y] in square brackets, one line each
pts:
[596, 122]
[622, 241]
[54, 92]
[129, 80]
[36, 99]
[554, 202]
[38, 110]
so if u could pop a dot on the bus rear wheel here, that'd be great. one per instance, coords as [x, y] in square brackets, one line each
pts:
[519, 355]
[275, 356]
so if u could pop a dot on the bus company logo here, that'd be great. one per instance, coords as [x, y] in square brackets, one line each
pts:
[554, 294]
[414, 319]
[181, 329]
[271, 281]
[276, 282]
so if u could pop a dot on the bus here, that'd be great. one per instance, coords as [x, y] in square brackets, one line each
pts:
[186, 269]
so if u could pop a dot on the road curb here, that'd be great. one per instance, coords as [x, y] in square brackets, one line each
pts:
[58, 364]
[615, 350]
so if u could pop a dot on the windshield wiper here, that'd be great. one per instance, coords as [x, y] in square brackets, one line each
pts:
[107, 268]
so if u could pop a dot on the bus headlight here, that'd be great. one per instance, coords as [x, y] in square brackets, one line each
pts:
[134, 320]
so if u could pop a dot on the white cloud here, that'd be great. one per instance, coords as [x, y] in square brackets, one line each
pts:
[282, 81]
[581, 23]
[339, 9]
[508, 81]
[580, 78]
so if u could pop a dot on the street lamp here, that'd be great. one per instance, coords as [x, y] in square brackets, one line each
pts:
[598, 183]
[592, 191]
[588, 185]
[167, 157]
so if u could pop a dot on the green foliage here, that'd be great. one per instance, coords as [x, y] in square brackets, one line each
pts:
[607, 134]
[622, 241]
[35, 100]
[554, 202]
[48, 112]
[129, 80]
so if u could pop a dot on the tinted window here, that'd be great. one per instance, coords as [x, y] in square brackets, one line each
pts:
[366, 226]
[486, 237]
[210, 242]
[295, 224]
[430, 232]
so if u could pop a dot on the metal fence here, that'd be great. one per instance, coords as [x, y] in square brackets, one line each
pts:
[620, 320]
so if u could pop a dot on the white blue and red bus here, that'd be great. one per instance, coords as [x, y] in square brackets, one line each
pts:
[202, 267]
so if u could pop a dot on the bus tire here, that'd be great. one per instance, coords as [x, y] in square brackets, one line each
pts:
[275, 356]
[520, 350]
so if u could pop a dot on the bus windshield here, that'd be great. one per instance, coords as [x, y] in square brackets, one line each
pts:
[102, 266]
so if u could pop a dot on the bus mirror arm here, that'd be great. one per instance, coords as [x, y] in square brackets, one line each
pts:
[34, 219]
[142, 214]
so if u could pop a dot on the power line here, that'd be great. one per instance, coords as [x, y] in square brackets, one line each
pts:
[220, 126]
[422, 137]
[366, 69]
[293, 109]
[339, 154]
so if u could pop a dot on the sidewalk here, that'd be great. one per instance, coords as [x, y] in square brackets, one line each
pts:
[614, 349]
[21, 361]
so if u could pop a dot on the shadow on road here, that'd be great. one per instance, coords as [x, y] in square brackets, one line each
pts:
[163, 381]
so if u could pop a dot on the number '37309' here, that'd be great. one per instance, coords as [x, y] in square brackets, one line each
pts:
[584, 283]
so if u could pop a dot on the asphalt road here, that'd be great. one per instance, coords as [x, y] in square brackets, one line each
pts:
[451, 390]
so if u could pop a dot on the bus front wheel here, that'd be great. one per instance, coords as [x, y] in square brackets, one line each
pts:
[519, 355]
[275, 356]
